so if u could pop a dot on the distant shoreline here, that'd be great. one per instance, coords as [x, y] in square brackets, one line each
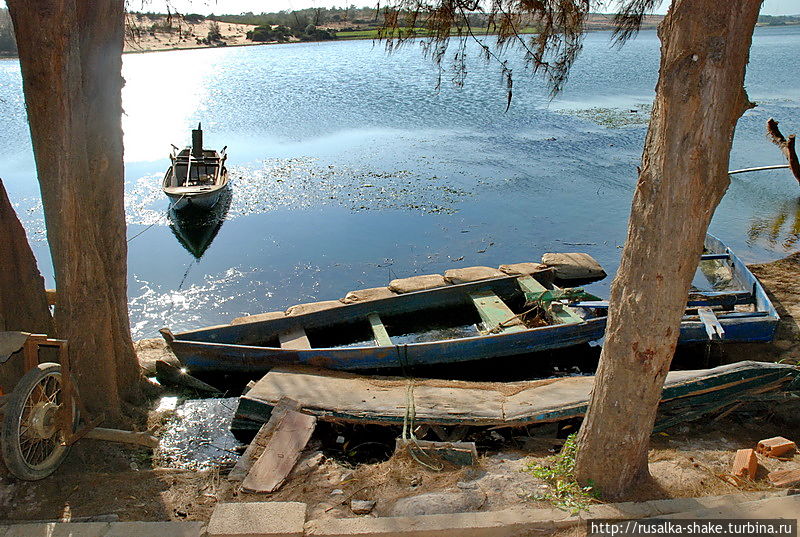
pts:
[148, 49]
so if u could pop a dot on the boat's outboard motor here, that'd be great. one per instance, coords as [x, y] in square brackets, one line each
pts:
[197, 142]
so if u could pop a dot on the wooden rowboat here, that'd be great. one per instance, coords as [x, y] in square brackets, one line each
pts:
[344, 397]
[196, 177]
[503, 316]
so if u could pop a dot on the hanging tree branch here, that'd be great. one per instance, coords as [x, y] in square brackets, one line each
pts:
[550, 52]
[787, 146]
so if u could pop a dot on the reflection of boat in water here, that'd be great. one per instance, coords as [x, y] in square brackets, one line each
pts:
[196, 229]
[196, 177]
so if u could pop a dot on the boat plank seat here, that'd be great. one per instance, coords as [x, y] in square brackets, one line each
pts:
[294, 339]
[536, 292]
[382, 338]
[711, 323]
[496, 315]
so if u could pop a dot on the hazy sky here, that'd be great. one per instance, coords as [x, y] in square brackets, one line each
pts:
[771, 7]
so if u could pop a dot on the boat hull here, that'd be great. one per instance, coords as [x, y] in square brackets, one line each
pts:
[241, 347]
[203, 201]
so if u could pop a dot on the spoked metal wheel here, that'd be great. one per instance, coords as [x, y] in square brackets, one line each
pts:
[32, 444]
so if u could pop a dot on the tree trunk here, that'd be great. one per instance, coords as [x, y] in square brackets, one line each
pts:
[23, 304]
[699, 98]
[70, 57]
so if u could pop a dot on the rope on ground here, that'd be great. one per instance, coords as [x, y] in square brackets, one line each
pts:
[410, 414]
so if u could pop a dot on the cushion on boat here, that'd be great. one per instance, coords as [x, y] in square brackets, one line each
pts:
[311, 307]
[471, 274]
[417, 283]
[270, 315]
[364, 295]
[574, 266]
[523, 269]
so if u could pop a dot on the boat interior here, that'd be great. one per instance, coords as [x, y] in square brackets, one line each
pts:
[201, 171]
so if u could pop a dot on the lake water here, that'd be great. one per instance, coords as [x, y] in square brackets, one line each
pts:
[349, 168]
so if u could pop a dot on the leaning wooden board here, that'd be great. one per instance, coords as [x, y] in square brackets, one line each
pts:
[346, 397]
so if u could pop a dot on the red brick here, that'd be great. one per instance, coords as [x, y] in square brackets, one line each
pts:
[776, 447]
[745, 464]
[784, 478]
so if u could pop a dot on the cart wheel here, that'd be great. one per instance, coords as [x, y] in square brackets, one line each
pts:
[31, 443]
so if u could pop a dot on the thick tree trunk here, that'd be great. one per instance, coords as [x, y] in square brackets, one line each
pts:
[70, 56]
[23, 304]
[699, 98]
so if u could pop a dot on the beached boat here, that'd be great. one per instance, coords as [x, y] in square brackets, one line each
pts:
[502, 316]
[344, 397]
[196, 177]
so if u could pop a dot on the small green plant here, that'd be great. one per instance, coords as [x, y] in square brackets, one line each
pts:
[559, 473]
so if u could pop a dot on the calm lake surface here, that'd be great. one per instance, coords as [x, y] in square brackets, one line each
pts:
[349, 169]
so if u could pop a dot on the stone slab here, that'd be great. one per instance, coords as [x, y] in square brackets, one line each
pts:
[159, 529]
[776, 507]
[58, 529]
[508, 523]
[258, 519]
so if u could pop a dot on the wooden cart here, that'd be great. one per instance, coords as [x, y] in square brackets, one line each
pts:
[41, 414]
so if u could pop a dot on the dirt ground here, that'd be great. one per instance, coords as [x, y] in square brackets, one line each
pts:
[687, 460]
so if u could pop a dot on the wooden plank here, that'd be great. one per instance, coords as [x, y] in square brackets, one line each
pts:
[696, 298]
[256, 447]
[382, 338]
[710, 321]
[536, 292]
[563, 314]
[283, 448]
[295, 339]
[333, 394]
[337, 396]
[458, 453]
[124, 437]
[496, 315]
[709, 257]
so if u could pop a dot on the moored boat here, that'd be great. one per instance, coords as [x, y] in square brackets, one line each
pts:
[500, 316]
[196, 177]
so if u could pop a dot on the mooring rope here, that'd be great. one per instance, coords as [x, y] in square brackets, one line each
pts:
[410, 414]
[172, 205]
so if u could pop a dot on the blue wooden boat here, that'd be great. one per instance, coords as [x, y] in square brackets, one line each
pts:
[497, 317]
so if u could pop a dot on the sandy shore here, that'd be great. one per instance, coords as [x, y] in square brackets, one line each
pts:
[141, 37]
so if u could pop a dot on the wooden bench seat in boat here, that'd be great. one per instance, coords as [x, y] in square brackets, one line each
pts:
[496, 315]
[295, 339]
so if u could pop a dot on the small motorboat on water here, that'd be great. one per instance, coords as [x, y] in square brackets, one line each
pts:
[196, 177]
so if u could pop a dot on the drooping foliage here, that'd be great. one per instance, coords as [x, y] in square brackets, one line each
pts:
[549, 33]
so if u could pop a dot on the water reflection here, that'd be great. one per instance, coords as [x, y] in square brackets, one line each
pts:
[779, 230]
[196, 229]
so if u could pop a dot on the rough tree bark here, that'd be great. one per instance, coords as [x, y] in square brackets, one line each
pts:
[699, 98]
[23, 305]
[70, 57]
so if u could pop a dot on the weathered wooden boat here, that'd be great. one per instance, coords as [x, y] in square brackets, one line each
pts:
[503, 316]
[196, 177]
[349, 398]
